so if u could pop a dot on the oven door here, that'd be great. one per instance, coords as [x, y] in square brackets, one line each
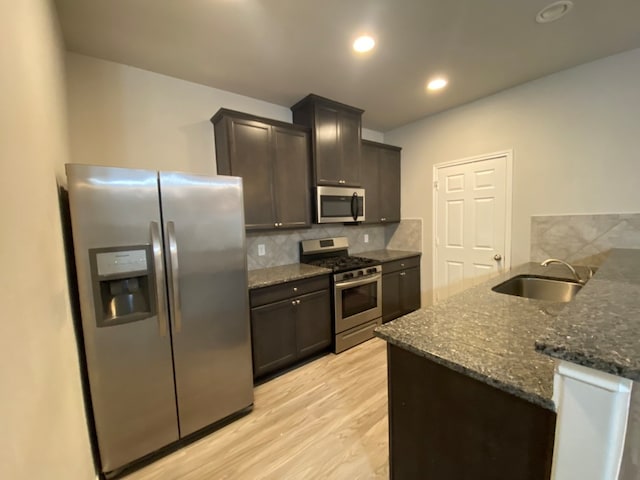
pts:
[357, 301]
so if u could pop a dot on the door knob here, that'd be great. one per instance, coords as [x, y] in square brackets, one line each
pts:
[497, 257]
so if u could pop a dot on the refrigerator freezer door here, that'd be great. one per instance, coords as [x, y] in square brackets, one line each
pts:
[129, 364]
[204, 230]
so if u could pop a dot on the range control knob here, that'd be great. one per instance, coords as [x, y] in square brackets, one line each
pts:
[348, 275]
[360, 273]
[371, 270]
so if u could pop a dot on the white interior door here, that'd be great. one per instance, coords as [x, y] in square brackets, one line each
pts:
[472, 221]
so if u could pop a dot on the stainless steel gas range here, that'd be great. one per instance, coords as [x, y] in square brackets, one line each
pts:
[357, 289]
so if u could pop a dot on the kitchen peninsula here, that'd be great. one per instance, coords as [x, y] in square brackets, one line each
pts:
[469, 396]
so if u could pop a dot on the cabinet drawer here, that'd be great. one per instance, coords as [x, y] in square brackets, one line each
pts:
[275, 293]
[402, 264]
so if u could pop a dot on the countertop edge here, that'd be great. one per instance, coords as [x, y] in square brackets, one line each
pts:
[279, 279]
[539, 400]
[388, 255]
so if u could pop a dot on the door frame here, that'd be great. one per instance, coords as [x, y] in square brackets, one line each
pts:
[508, 154]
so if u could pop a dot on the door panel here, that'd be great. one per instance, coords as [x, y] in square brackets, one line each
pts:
[313, 323]
[471, 209]
[455, 223]
[211, 342]
[390, 185]
[292, 177]
[391, 296]
[327, 148]
[129, 365]
[350, 141]
[370, 177]
[410, 288]
[252, 160]
[273, 330]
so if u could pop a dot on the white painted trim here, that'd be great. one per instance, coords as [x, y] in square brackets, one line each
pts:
[508, 154]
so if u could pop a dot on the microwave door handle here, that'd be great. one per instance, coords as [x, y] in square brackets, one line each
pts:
[354, 206]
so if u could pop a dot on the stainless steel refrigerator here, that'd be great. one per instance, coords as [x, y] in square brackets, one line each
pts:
[162, 280]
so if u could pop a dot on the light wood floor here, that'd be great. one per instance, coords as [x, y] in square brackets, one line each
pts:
[325, 420]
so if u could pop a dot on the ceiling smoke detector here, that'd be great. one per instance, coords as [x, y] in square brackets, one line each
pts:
[554, 11]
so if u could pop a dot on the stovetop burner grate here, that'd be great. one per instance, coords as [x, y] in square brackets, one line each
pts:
[342, 263]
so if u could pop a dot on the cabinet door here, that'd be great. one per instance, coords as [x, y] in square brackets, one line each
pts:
[328, 152]
[350, 141]
[291, 177]
[389, 167]
[273, 336]
[251, 159]
[370, 182]
[391, 297]
[313, 323]
[410, 290]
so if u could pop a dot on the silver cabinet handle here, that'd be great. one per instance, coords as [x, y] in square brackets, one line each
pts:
[293, 302]
[174, 284]
[295, 289]
[402, 274]
[297, 302]
[497, 257]
[159, 267]
[402, 264]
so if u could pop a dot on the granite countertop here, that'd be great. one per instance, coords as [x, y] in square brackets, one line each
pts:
[265, 277]
[486, 335]
[600, 328]
[387, 255]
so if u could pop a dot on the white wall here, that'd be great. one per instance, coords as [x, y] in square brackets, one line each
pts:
[44, 432]
[128, 117]
[575, 137]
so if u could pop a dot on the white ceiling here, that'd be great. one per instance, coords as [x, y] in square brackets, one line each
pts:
[281, 50]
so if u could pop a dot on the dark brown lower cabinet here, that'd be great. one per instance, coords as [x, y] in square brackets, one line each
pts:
[287, 331]
[444, 425]
[400, 287]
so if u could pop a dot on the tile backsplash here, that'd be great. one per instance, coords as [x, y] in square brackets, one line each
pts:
[583, 239]
[282, 247]
[406, 235]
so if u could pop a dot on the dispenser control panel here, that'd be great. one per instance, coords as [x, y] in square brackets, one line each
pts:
[125, 261]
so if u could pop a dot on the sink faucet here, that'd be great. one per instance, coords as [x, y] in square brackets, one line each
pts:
[549, 261]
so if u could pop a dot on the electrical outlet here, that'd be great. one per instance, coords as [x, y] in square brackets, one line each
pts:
[261, 250]
[366, 238]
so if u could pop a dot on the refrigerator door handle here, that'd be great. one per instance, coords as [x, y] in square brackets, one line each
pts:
[159, 267]
[174, 285]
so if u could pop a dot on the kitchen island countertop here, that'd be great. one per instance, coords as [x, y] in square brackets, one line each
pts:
[493, 337]
[486, 335]
[265, 277]
[600, 329]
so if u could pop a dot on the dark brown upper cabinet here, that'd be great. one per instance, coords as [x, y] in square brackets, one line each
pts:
[381, 181]
[335, 138]
[273, 159]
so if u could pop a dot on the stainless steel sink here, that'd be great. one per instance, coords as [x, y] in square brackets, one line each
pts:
[540, 288]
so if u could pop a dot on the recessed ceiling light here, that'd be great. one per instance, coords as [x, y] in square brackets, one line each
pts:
[437, 83]
[554, 11]
[364, 44]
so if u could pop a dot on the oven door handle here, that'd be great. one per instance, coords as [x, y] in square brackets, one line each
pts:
[358, 282]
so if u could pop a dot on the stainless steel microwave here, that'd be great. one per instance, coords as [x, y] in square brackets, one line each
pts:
[339, 204]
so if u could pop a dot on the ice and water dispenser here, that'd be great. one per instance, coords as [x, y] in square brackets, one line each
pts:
[123, 284]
